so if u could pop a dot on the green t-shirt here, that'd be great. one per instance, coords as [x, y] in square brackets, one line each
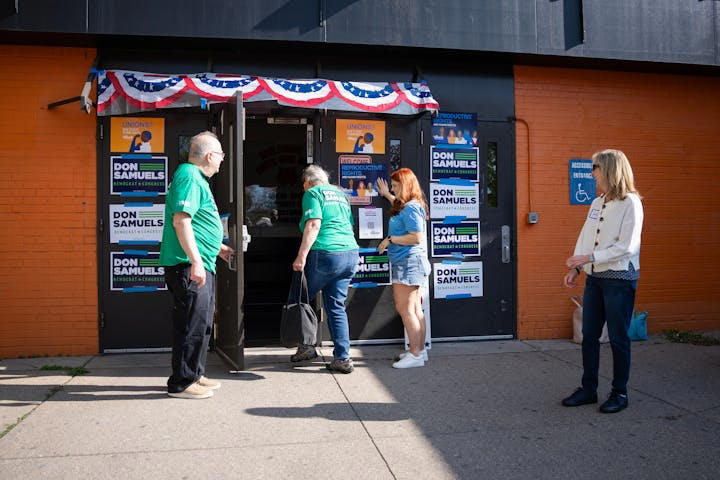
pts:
[190, 192]
[331, 206]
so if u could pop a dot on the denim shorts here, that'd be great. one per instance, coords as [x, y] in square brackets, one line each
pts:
[411, 270]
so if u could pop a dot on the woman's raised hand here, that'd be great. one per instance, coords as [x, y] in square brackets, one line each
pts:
[382, 187]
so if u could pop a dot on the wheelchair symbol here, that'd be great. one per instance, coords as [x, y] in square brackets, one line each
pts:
[581, 195]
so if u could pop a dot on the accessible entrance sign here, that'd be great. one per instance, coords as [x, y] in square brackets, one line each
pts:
[582, 183]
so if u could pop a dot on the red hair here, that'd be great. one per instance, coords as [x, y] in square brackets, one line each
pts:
[410, 191]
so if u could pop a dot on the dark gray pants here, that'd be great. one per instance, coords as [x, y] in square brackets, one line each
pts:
[192, 317]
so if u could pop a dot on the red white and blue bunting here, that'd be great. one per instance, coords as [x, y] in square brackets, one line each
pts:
[121, 91]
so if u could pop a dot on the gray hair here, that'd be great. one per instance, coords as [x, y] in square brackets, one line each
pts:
[315, 175]
[201, 144]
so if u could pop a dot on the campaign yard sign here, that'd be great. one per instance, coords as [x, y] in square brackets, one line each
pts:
[449, 199]
[454, 279]
[136, 223]
[449, 162]
[133, 271]
[451, 239]
[138, 175]
[373, 269]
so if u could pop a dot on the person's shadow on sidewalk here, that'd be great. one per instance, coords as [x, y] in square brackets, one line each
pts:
[368, 411]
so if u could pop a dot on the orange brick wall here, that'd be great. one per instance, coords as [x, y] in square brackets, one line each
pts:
[669, 126]
[48, 290]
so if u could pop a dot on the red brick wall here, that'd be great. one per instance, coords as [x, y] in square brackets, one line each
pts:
[48, 289]
[669, 127]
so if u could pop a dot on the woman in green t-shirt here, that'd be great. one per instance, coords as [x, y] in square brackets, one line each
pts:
[329, 257]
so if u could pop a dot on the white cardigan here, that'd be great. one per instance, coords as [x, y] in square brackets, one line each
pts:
[612, 234]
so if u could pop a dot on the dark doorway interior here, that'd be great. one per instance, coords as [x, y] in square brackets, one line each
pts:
[274, 157]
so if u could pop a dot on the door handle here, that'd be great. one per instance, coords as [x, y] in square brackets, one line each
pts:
[505, 233]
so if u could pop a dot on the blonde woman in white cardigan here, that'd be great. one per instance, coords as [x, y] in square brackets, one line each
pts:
[608, 251]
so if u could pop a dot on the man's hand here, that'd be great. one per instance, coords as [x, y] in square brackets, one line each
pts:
[197, 274]
[226, 253]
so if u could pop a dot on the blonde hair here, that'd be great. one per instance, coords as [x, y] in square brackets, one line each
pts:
[617, 173]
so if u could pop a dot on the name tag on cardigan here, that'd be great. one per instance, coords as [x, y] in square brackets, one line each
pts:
[594, 214]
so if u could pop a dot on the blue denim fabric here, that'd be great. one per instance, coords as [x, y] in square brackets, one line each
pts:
[412, 270]
[331, 272]
[607, 300]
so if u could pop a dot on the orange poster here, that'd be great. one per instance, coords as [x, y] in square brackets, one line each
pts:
[137, 135]
[359, 136]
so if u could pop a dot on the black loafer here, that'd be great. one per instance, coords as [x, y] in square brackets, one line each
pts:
[580, 397]
[615, 402]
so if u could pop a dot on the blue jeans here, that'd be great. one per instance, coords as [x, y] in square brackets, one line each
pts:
[331, 272]
[607, 300]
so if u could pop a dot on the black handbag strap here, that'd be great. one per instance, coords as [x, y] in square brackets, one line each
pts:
[303, 288]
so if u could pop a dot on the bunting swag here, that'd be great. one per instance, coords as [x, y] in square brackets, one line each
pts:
[121, 91]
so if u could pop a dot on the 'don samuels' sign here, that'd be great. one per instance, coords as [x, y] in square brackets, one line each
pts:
[450, 239]
[373, 269]
[138, 173]
[448, 162]
[136, 271]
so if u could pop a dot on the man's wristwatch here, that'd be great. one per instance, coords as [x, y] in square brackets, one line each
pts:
[389, 238]
[578, 270]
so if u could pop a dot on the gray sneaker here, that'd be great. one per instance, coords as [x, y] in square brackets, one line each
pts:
[304, 352]
[342, 366]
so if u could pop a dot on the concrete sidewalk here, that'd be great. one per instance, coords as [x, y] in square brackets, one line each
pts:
[481, 410]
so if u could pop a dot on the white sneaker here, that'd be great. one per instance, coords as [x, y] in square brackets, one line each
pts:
[203, 381]
[423, 352]
[193, 391]
[409, 361]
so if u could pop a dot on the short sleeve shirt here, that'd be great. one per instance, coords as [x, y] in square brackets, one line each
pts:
[410, 219]
[190, 193]
[331, 206]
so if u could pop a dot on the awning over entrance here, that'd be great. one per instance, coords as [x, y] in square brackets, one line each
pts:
[121, 91]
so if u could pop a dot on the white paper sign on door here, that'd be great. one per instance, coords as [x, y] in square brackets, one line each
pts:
[448, 199]
[454, 279]
[371, 222]
[136, 223]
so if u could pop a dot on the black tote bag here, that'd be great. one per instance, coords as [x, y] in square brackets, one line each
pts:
[298, 317]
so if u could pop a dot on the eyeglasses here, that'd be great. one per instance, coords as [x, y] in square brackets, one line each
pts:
[595, 166]
[222, 154]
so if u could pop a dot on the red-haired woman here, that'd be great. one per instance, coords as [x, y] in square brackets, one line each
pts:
[408, 257]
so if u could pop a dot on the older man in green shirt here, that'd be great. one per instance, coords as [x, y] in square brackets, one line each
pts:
[192, 239]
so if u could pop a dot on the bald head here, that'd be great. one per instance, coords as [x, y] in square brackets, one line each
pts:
[202, 144]
[206, 152]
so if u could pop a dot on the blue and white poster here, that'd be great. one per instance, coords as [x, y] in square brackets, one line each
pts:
[358, 175]
[455, 128]
[137, 174]
[136, 271]
[454, 198]
[455, 239]
[454, 279]
[373, 269]
[453, 162]
[135, 223]
[582, 184]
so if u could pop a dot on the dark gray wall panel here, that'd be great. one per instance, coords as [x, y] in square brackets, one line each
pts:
[559, 23]
[250, 19]
[44, 15]
[492, 25]
[680, 31]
